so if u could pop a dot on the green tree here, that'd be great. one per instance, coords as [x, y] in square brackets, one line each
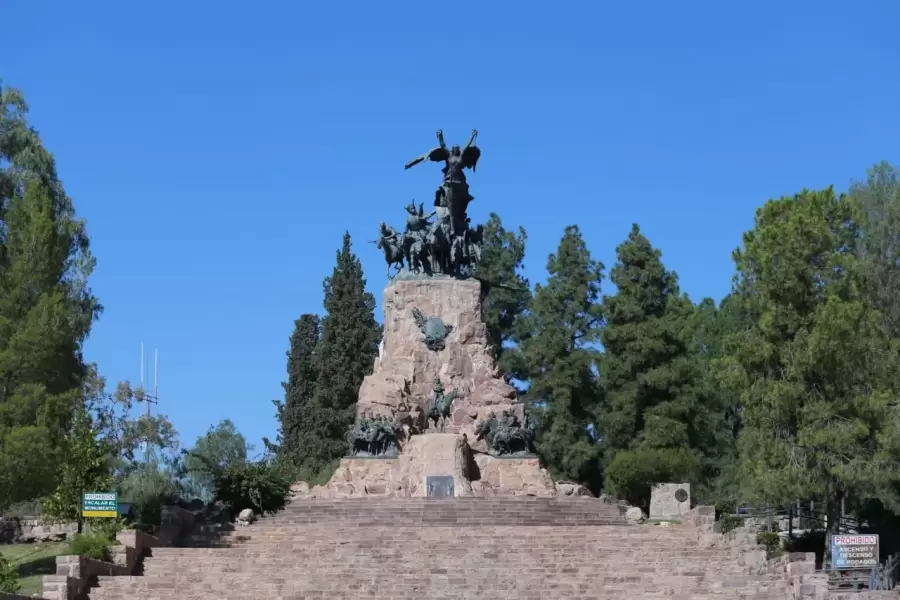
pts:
[559, 358]
[714, 331]
[509, 291]
[46, 307]
[819, 414]
[297, 426]
[86, 468]
[346, 354]
[879, 199]
[128, 436]
[152, 482]
[655, 413]
[222, 445]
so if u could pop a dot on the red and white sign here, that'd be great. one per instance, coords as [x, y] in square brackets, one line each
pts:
[854, 540]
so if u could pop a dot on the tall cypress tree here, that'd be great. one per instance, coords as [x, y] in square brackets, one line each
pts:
[559, 358]
[346, 354]
[297, 427]
[509, 292]
[655, 423]
[46, 307]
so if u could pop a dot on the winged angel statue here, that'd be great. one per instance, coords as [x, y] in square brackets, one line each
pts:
[454, 191]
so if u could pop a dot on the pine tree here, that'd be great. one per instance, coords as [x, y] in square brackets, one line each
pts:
[714, 331]
[509, 291]
[346, 354]
[655, 424]
[819, 411]
[559, 358]
[46, 307]
[878, 197]
[297, 428]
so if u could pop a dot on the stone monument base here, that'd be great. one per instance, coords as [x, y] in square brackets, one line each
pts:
[437, 455]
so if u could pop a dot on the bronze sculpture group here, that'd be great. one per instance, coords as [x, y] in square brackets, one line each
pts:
[444, 246]
[373, 436]
[447, 245]
[506, 436]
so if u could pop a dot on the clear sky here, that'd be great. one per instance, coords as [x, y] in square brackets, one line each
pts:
[219, 149]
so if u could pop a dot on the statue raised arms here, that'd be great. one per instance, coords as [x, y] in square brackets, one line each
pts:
[455, 160]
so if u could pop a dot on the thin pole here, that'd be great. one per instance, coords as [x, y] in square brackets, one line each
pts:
[156, 373]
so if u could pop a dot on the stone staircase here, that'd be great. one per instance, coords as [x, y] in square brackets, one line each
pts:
[457, 548]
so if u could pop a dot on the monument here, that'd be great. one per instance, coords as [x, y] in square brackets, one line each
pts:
[435, 410]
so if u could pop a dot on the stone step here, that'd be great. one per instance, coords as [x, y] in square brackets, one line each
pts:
[649, 563]
[414, 547]
[333, 585]
[452, 592]
[457, 548]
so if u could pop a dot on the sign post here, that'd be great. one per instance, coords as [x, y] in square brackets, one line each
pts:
[854, 551]
[100, 505]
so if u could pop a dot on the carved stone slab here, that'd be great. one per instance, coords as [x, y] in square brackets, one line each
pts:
[670, 500]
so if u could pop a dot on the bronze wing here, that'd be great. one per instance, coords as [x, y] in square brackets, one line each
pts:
[470, 157]
[436, 155]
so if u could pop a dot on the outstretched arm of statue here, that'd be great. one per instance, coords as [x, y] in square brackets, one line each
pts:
[471, 139]
[440, 137]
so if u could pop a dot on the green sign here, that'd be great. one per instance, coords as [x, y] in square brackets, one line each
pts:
[99, 504]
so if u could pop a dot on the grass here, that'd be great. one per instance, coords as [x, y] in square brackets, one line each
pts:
[34, 561]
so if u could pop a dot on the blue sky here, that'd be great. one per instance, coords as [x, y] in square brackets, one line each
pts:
[219, 149]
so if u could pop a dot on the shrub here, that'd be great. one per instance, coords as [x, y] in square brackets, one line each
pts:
[731, 522]
[148, 489]
[631, 473]
[91, 545]
[9, 577]
[772, 541]
[258, 485]
[108, 528]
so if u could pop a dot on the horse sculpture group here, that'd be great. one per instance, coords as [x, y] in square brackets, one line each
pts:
[447, 245]
[506, 436]
[373, 436]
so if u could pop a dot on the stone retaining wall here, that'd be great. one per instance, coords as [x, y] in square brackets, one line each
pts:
[29, 530]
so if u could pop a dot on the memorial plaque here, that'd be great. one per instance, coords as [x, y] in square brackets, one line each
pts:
[439, 486]
[854, 551]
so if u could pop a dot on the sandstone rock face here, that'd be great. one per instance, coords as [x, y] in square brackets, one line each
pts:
[401, 385]
[568, 488]
[404, 476]
[404, 373]
[436, 454]
[512, 477]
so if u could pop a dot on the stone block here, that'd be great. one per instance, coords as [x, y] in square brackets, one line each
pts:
[670, 500]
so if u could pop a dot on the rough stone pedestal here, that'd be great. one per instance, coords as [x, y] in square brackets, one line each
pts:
[512, 477]
[441, 455]
[402, 380]
[401, 384]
